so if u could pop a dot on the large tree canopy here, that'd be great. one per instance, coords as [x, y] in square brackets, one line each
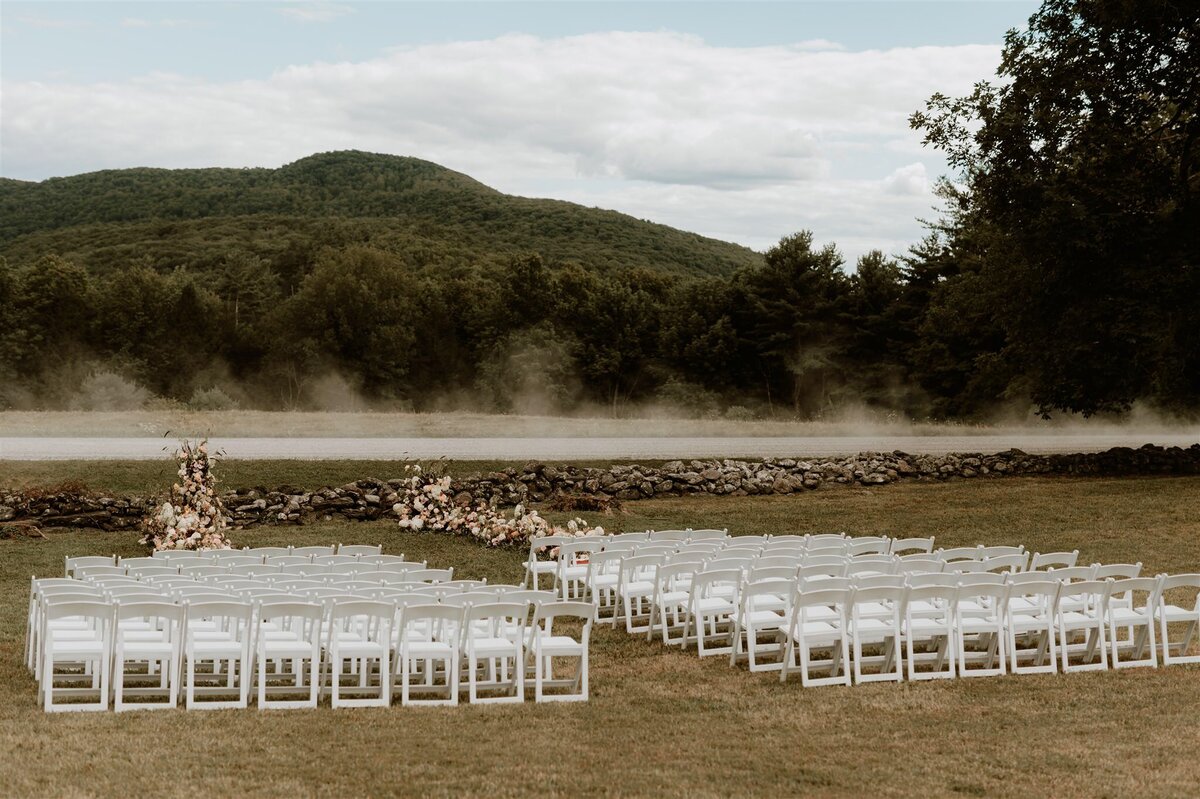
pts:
[1075, 217]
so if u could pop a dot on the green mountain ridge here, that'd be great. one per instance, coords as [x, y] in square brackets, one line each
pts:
[178, 217]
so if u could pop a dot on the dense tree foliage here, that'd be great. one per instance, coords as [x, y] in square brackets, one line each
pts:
[1066, 272]
[1075, 226]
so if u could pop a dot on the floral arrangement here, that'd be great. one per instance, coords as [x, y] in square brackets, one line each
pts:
[194, 517]
[426, 503]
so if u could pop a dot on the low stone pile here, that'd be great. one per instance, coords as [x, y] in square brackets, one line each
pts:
[372, 498]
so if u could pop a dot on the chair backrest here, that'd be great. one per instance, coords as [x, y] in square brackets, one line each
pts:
[668, 535]
[861, 582]
[1129, 590]
[1116, 570]
[868, 545]
[1072, 573]
[313, 550]
[398, 567]
[180, 554]
[379, 559]
[877, 595]
[982, 579]
[91, 609]
[1093, 593]
[638, 567]
[359, 550]
[922, 546]
[959, 553]
[1043, 592]
[431, 575]
[926, 600]
[826, 560]
[671, 576]
[281, 561]
[605, 562]
[203, 568]
[965, 566]
[332, 560]
[372, 618]
[151, 609]
[758, 573]
[836, 598]
[1179, 583]
[542, 545]
[1057, 559]
[140, 571]
[268, 551]
[71, 564]
[704, 583]
[706, 535]
[932, 580]
[764, 588]
[726, 562]
[428, 620]
[836, 568]
[919, 566]
[1006, 563]
[84, 572]
[773, 561]
[1000, 551]
[824, 538]
[530, 597]
[224, 555]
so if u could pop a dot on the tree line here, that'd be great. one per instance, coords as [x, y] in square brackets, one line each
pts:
[1064, 272]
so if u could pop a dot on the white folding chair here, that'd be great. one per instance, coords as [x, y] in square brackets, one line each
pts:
[89, 646]
[981, 608]
[489, 648]
[361, 631]
[156, 640]
[288, 630]
[600, 583]
[763, 610]
[1136, 617]
[930, 613]
[876, 619]
[712, 602]
[1180, 612]
[668, 603]
[536, 568]
[547, 643]
[818, 622]
[1082, 608]
[1031, 620]
[427, 636]
[635, 587]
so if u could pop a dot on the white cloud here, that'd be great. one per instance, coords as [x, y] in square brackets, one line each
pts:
[746, 144]
[139, 22]
[315, 12]
[908, 180]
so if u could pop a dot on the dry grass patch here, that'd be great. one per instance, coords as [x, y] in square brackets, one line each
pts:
[662, 722]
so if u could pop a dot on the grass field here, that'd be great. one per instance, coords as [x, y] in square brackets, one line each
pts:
[661, 722]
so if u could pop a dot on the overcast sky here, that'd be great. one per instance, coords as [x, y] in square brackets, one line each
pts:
[745, 121]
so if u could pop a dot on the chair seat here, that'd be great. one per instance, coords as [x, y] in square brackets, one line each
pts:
[603, 580]
[221, 648]
[58, 649]
[673, 599]
[712, 604]
[1127, 616]
[428, 649]
[926, 627]
[560, 645]
[573, 572]
[361, 649]
[284, 649]
[871, 627]
[1028, 622]
[492, 647]
[638, 588]
[1072, 619]
[147, 648]
[815, 631]
[541, 566]
[1174, 613]
[762, 619]
[974, 624]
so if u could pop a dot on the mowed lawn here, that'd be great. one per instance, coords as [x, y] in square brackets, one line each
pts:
[661, 722]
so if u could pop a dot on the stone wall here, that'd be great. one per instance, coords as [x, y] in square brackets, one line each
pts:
[373, 498]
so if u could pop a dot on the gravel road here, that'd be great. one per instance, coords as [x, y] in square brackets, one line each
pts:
[573, 449]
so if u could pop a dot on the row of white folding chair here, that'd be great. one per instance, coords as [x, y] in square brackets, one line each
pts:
[760, 606]
[320, 549]
[666, 584]
[1035, 561]
[161, 644]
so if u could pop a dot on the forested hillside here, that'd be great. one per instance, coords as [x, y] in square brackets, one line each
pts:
[1064, 273]
[435, 216]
